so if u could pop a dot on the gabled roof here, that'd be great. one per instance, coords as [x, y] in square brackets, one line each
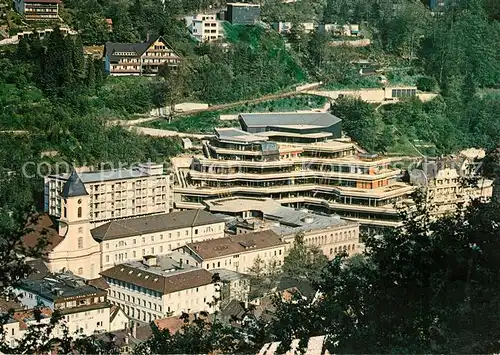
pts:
[110, 48]
[155, 223]
[74, 187]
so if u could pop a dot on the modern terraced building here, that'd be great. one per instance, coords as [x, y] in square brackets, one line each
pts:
[299, 160]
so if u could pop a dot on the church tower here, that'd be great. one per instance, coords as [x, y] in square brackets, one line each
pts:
[78, 252]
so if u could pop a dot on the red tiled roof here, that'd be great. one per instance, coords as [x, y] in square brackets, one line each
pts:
[21, 316]
[42, 226]
[214, 248]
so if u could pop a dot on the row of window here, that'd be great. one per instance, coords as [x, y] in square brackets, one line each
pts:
[347, 248]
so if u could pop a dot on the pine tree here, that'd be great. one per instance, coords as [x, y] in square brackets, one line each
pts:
[90, 78]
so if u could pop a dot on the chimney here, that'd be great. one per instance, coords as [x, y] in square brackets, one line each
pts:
[134, 330]
[126, 339]
[150, 260]
[147, 37]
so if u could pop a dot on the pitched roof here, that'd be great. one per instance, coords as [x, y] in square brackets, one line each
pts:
[42, 226]
[155, 223]
[164, 284]
[138, 49]
[297, 119]
[39, 269]
[100, 283]
[215, 248]
[113, 312]
[74, 187]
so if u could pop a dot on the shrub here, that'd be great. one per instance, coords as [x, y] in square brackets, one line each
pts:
[427, 83]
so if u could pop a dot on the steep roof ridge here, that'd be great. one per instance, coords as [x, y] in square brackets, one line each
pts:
[195, 217]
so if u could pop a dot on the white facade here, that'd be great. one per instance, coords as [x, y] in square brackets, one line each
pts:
[78, 251]
[117, 193]
[205, 27]
[118, 321]
[160, 243]
[147, 306]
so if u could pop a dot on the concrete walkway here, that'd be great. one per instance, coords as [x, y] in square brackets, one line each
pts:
[154, 132]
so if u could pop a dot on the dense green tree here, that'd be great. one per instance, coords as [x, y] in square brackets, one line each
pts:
[303, 261]
[359, 121]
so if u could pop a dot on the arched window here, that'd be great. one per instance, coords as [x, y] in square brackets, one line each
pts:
[80, 271]
[335, 250]
[331, 251]
[80, 242]
[349, 247]
[65, 213]
[79, 212]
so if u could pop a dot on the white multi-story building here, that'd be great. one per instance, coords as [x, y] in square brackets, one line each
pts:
[159, 287]
[115, 194]
[132, 239]
[205, 27]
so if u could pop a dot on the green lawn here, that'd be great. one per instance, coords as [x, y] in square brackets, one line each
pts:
[205, 122]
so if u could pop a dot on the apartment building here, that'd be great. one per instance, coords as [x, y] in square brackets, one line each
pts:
[237, 253]
[115, 194]
[42, 10]
[132, 239]
[144, 58]
[159, 287]
[83, 307]
[329, 233]
[298, 161]
[205, 27]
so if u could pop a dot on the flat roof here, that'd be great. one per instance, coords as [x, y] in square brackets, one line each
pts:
[108, 175]
[59, 286]
[290, 119]
[287, 220]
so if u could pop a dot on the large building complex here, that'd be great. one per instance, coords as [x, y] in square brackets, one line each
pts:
[42, 10]
[299, 162]
[115, 194]
[144, 58]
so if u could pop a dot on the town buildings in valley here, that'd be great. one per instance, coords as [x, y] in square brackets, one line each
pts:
[75, 244]
[144, 58]
[330, 233]
[41, 10]
[157, 287]
[84, 308]
[205, 27]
